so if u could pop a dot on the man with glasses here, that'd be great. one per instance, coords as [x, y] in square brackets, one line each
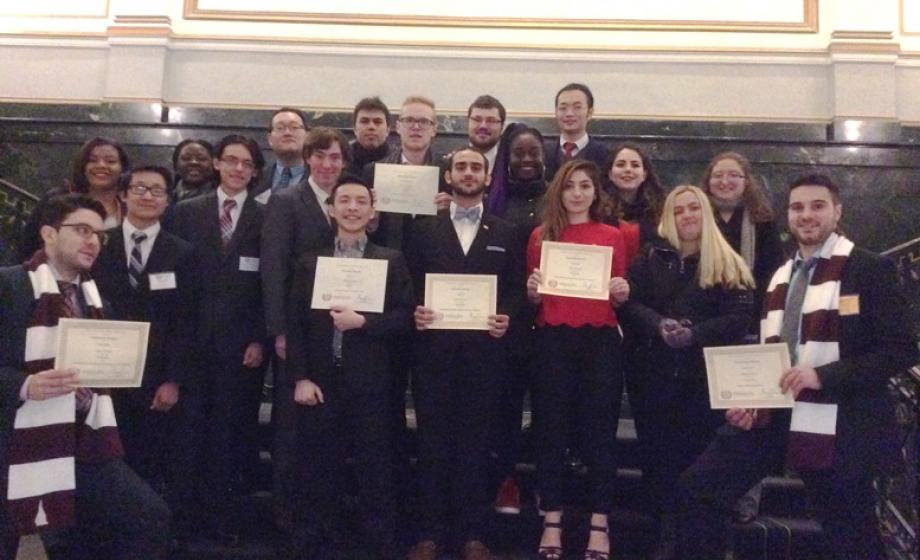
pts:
[147, 274]
[54, 470]
[485, 120]
[287, 132]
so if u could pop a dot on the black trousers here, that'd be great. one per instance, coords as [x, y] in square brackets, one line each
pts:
[737, 460]
[506, 436]
[578, 381]
[348, 423]
[456, 395]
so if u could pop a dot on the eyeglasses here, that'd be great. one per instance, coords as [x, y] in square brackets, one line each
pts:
[247, 164]
[140, 190]
[491, 121]
[731, 176]
[412, 121]
[85, 231]
[288, 127]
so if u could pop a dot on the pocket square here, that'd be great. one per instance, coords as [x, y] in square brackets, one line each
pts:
[495, 248]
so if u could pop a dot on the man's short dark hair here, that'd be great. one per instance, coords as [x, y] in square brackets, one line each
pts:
[487, 102]
[158, 169]
[57, 208]
[371, 104]
[300, 114]
[322, 138]
[255, 152]
[350, 179]
[450, 157]
[574, 86]
[817, 180]
[178, 149]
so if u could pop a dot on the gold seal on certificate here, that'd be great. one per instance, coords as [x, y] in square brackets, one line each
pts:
[405, 189]
[575, 270]
[461, 301]
[747, 376]
[360, 284]
[106, 353]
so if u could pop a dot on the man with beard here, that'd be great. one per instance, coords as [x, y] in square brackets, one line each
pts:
[485, 120]
[459, 373]
[287, 131]
[194, 168]
[371, 120]
[848, 327]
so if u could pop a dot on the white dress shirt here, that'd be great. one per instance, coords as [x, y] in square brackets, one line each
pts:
[240, 199]
[146, 246]
[466, 230]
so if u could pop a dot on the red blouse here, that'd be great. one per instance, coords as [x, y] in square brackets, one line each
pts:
[577, 312]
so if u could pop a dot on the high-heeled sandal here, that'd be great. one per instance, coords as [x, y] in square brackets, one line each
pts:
[597, 554]
[551, 552]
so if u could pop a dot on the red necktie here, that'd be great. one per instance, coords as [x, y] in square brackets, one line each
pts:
[569, 148]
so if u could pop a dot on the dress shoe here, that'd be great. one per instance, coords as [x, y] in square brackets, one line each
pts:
[424, 550]
[508, 500]
[475, 550]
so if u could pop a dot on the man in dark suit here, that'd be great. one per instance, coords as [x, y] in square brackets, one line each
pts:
[458, 374]
[574, 108]
[295, 222]
[109, 499]
[287, 131]
[148, 274]
[849, 329]
[371, 122]
[225, 227]
[340, 371]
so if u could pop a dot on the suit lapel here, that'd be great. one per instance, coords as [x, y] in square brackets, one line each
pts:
[314, 209]
[159, 254]
[449, 236]
[482, 236]
[209, 221]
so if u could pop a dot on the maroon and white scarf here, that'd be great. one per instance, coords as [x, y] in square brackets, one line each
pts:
[814, 419]
[48, 438]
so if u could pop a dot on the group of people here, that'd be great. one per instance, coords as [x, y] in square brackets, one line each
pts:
[221, 261]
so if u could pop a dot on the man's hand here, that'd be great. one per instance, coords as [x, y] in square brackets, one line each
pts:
[741, 418]
[798, 378]
[51, 383]
[346, 318]
[533, 283]
[619, 290]
[308, 393]
[498, 325]
[281, 346]
[252, 358]
[442, 200]
[166, 397]
[423, 317]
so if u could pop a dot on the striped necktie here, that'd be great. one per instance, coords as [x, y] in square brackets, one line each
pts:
[226, 222]
[136, 263]
[71, 303]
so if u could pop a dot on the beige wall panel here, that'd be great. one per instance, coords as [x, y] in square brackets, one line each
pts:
[52, 73]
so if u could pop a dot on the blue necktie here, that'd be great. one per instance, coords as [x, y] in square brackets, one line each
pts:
[285, 180]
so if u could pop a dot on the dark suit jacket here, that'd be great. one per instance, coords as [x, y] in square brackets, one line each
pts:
[230, 300]
[435, 248]
[294, 224]
[170, 312]
[365, 351]
[595, 151]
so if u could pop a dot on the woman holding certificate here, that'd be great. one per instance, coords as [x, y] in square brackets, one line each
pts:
[688, 290]
[579, 377]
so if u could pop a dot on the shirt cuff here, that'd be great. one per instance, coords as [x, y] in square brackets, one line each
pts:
[24, 390]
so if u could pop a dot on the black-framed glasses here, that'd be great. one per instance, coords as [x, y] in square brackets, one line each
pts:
[412, 121]
[141, 189]
[85, 231]
[247, 164]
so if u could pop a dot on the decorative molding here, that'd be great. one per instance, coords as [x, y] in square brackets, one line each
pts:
[808, 24]
[862, 35]
[25, 14]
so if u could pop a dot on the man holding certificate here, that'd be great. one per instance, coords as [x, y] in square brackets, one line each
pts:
[348, 301]
[469, 275]
[60, 454]
[848, 328]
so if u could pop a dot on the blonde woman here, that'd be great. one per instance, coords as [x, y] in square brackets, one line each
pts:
[687, 291]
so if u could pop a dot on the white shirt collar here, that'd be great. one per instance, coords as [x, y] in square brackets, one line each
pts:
[579, 144]
[240, 197]
[151, 231]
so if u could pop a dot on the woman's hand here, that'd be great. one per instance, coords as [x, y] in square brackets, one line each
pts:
[533, 283]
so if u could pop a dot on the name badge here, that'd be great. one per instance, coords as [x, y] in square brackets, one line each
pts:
[249, 264]
[849, 305]
[162, 280]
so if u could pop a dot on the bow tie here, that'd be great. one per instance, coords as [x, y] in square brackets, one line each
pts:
[471, 214]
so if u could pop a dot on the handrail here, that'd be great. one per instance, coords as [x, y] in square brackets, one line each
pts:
[18, 190]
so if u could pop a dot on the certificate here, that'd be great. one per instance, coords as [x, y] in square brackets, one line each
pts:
[406, 189]
[575, 270]
[360, 284]
[461, 301]
[106, 353]
[747, 376]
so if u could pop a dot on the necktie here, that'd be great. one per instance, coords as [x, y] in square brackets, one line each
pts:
[226, 222]
[792, 315]
[69, 293]
[285, 179]
[471, 214]
[569, 148]
[136, 263]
